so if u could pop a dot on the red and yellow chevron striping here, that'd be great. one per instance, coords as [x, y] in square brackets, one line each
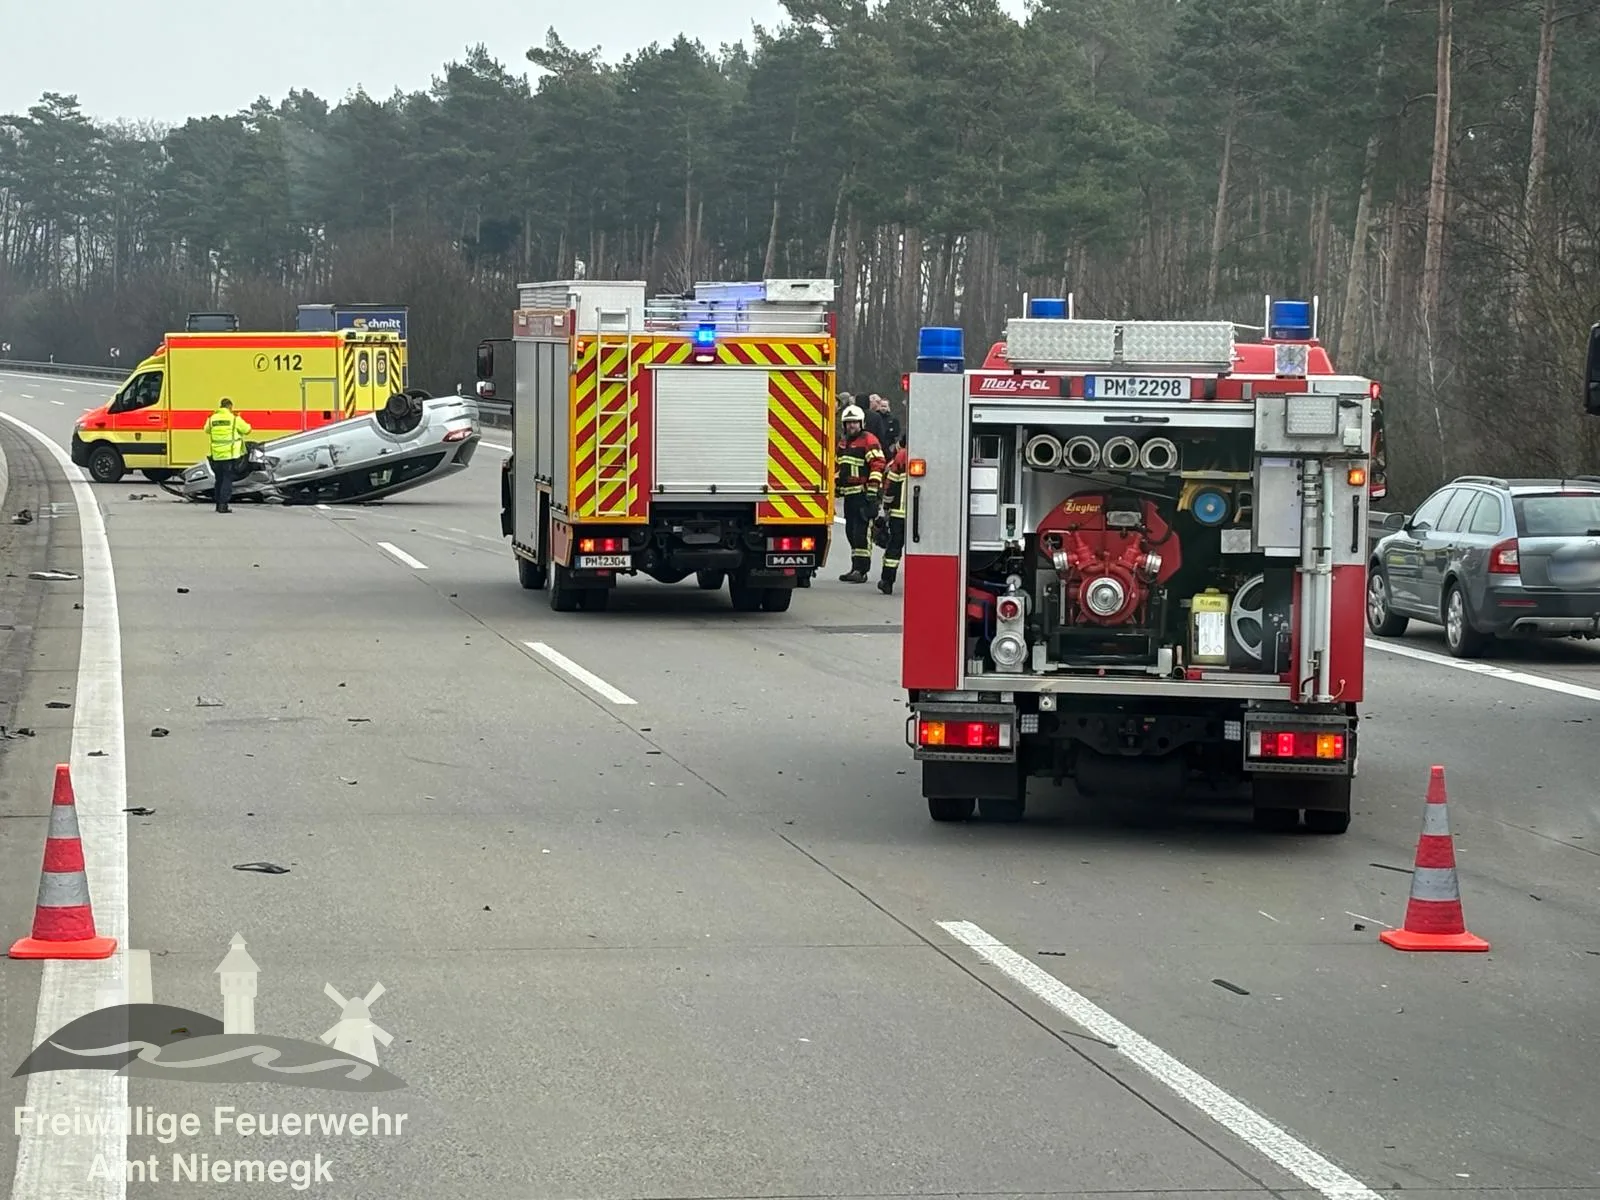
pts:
[611, 474]
[798, 447]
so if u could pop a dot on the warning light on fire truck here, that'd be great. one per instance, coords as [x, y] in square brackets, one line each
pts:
[1291, 321]
[940, 351]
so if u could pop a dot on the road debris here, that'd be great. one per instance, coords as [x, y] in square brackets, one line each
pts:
[57, 704]
[261, 868]
[358, 720]
[348, 782]
[51, 576]
[22, 518]
[140, 811]
[158, 731]
[207, 702]
[20, 731]
[1232, 987]
[183, 591]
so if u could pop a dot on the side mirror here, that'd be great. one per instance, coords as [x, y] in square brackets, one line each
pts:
[485, 390]
[1591, 375]
[1394, 522]
[485, 360]
[1418, 527]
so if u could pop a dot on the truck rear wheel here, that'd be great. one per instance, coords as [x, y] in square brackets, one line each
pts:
[106, 465]
[745, 598]
[531, 575]
[563, 596]
[1003, 812]
[777, 599]
[594, 599]
[710, 581]
[951, 808]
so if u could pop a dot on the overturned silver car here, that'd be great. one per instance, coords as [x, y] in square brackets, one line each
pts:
[414, 439]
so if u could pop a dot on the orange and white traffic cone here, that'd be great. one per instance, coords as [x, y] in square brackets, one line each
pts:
[63, 919]
[1434, 919]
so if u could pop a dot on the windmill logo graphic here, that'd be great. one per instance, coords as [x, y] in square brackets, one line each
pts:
[355, 1033]
[160, 1041]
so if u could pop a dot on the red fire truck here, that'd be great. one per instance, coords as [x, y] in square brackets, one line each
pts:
[1136, 558]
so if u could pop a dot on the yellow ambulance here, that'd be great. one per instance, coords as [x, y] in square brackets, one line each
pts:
[281, 383]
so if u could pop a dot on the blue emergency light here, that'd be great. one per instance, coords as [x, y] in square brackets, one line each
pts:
[1291, 321]
[1048, 309]
[940, 351]
[705, 337]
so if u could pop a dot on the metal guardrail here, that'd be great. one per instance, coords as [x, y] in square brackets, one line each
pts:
[494, 413]
[75, 370]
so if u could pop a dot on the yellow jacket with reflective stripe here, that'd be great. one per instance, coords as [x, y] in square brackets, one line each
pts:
[227, 431]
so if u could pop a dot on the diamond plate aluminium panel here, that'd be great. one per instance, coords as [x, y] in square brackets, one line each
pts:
[1198, 345]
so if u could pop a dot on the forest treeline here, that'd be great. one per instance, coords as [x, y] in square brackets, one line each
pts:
[1429, 168]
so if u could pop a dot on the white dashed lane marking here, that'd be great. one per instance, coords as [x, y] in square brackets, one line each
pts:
[1249, 1126]
[582, 674]
[400, 555]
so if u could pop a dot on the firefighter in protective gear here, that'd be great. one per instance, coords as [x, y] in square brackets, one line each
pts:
[860, 485]
[226, 431]
[894, 506]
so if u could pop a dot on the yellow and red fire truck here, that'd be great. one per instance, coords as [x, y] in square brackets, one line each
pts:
[668, 436]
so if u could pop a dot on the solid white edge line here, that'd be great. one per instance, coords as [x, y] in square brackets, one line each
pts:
[58, 1167]
[1294, 1156]
[582, 674]
[391, 549]
[1576, 690]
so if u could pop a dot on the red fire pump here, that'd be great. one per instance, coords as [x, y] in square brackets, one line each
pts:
[1108, 554]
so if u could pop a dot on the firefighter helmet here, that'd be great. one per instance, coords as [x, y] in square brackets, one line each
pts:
[853, 413]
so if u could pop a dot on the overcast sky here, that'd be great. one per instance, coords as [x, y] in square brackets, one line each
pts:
[167, 60]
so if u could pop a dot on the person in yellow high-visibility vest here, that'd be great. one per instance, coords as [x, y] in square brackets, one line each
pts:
[227, 431]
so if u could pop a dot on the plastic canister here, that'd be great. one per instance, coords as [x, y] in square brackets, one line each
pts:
[1208, 629]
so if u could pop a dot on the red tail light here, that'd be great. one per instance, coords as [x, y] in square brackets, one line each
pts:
[602, 545]
[973, 735]
[790, 545]
[1296, 743]
[1503, 559]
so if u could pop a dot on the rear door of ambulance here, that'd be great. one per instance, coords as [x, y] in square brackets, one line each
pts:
[369, 373]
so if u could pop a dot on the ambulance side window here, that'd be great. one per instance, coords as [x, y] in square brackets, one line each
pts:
[144, 391]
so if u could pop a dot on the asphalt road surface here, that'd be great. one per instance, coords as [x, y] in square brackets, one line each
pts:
[658, 910]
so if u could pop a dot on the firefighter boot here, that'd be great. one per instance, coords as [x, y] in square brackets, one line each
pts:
[886, 580]
[853, 575]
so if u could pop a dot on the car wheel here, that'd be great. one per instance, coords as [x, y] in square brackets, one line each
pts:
[1381, 619]
[1460, 638]
[106, 465]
